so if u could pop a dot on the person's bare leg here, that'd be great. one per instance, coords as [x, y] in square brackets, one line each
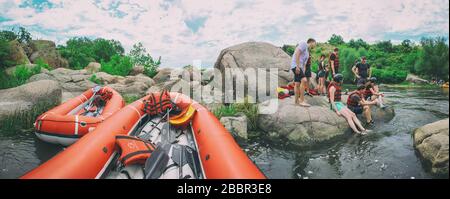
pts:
[302, 92]
[356, 120]
[297, 92]
[367, 113]
[349, 121]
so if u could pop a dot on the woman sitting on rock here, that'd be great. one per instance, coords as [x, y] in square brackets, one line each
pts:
[334, 96]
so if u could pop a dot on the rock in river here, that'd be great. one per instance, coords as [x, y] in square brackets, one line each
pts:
[431, 143]
[27, 96]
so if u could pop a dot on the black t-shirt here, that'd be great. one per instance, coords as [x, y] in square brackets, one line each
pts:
[362, 69]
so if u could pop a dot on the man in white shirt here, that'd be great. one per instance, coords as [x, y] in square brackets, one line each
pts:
[298, 66]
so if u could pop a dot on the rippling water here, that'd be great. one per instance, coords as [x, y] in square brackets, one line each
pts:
[386, 153]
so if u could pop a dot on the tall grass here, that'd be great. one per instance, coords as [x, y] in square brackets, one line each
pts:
[250, 110]
[23, 120]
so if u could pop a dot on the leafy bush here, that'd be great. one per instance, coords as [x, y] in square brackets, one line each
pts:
[250, 110]
[389, 75]
[79, 51]
[94, 79]
[4, 53]
[22, 73]
[118, 65]
[139, 56]
[42, 64]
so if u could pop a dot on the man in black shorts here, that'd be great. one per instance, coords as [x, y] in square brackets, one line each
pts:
[334, 62]
[362, 72]
[299, 68]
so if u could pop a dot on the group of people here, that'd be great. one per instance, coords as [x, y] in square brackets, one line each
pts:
[359, 101]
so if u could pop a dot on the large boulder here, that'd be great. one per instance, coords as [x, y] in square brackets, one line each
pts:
[163, 75]
[255, 55]
[93, 67]
[70, 80]
[299, 125]
[236, 125]
[137, 70]
[17, 55]
[416, 79]
[431, 143]
[28, 96]
[46, 50]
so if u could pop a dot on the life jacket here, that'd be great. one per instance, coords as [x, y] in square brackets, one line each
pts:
[134, 150]
[351, 102]
[336, 61]
[154, 105]
[337, 93]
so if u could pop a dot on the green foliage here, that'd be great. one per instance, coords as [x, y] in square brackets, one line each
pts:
[7, 35]
[289, 49]
[4, 53]
[118, 65]
[139, 56]
[22, 73]
[434, 59]
[42, 64]
[95, 79]
[336, 40]
[250, 110]
[130, 98]
[390, 63]
[79, 51]
[23, 36]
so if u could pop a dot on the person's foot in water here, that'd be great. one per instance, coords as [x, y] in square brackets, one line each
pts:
[370, 123]
[365, 132]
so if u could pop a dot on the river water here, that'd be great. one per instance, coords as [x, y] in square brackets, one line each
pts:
[387, 152]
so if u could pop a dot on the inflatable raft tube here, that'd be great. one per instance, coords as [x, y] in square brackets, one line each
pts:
[219, 156]
[66, 123]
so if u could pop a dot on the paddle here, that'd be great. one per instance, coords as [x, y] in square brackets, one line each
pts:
[157, 162]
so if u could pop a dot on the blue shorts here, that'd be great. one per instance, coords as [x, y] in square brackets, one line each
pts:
[339, 105]
[356, 109]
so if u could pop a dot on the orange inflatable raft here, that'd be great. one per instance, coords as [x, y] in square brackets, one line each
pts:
[66, 123]
[161, 136]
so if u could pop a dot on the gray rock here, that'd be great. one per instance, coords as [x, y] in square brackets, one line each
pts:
[93, 67]
[17, 55]
[106, 78]
[46, 50]
[431, 143]
[416, 79]
[301, 126]
[25, 97]
[163, 75]
[236, 125]
[137, 70]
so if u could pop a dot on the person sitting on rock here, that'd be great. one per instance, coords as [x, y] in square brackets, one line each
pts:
[357, 104]
[372, 92]
[334, 96]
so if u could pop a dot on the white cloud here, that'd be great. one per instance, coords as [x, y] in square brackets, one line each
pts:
[161, 26]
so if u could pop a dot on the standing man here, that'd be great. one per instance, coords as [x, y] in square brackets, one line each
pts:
[362, 72]
[298, 66]
[334, 62]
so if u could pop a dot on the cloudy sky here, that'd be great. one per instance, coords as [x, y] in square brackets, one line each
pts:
[185, 30]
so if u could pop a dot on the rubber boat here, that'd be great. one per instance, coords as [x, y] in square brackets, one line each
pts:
[68, 122]
[160, 136]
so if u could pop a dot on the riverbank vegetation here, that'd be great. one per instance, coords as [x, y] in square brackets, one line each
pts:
[390, 62]
[250, 110]
[78, 51]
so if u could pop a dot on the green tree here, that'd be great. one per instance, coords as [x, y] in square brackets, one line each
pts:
[23, 36]
[4, 53]
[385, 46]
[434, 59]
[139, 56]
[336, 40]
[103, 49]
[118, 65]
[7, 35]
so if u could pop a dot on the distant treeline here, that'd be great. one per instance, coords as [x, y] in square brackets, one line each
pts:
[390, 62]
